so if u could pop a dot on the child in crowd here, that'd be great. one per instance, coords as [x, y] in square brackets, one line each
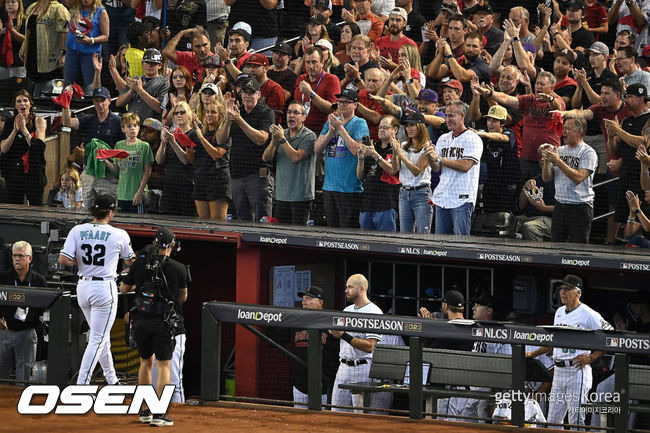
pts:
[69, 194]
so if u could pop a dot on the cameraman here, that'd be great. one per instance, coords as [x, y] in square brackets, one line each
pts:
[160, 284]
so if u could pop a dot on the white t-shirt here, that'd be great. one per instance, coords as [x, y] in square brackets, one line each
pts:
[406, 178]
[582, 317]
[97, 247]
[456, 187]
[567, 191]
[348, 352]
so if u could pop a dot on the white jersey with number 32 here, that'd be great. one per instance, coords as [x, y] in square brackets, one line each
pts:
[97, 248]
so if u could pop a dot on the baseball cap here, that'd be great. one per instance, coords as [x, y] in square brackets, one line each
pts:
[152, 55]
[282, 47]
[313, 291]
[530, 47]
[317, 19]
[454, 84]
[164, 237]
[427, 95]
[451, 7]
[243, 29]
[600, 48]
[576, 4]
[105, 202]
[412, 117]
[257, 59]
[325, 4]
[568, 54]
[637, 89]
[454, 298]
[324, 43]
[101, 92]
[251, 83]
[399, 11]
[570, 280]
[348, 93]
[152, 123]
[485, 299]
[497, 112]
[210, 86]
[484, 7]
[213, 61]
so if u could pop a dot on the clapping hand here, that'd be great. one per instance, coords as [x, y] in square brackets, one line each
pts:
[97, 62]
[165, 135]
[632, 201]
[335, 122]
[642, 155]
[277, 132]
[580, 76]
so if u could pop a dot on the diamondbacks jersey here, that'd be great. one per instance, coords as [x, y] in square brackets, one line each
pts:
[567, 191]
[582, 317]
[348, 352]
[97, 248]
[456, 187]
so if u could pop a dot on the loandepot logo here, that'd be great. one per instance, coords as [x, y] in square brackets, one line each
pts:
[575, 262]
[259, 316]
[532, 336]
[628, 343]
[269, 240]
[369, 323]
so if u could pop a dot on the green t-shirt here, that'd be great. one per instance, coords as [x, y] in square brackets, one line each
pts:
[132, 168]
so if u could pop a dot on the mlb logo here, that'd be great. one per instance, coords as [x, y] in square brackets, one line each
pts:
[338, 321]
[481, 256]
[625, 265]
[611, 342]
[478, 332]
[402, 250]
[320, 243]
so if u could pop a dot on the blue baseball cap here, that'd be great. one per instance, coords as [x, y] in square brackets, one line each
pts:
[427, 95]
[101, 92]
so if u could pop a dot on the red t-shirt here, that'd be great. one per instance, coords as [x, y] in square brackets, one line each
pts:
[328, 87]
[365, 99]
[191, 62]
[601, 113]
[388, 48]
[595, 15]
[539, 126]
[273, 94]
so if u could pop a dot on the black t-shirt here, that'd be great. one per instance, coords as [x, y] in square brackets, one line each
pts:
[494, 38]
[502, 185]
[582, 38]
[246, 156]
[334, 32]
[482, 70]
[175, 274]
[184, 14]
[414, 25]
[377, 195]
[286, 79]
[263, 22]
[630, 167]
[32, 279]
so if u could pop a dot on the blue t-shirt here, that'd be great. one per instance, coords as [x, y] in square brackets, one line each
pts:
[89, 25]
[340, 163]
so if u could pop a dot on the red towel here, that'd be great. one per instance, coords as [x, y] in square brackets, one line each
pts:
[183, 139]
[77, 91]
[63, 99]
[111, 153]
[7, 47]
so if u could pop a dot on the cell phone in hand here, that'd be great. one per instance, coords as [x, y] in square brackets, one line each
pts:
[366, 141]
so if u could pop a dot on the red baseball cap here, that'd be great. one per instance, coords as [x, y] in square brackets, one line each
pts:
[454, 84]
[258, 59]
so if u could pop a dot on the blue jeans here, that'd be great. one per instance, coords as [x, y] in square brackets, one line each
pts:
[415, 212]
[385, 220]
[457, 221]
[79, 68]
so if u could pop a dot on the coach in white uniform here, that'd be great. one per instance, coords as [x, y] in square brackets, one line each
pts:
[356, 348]
[96, 248]
[458, 154]
[572, 379]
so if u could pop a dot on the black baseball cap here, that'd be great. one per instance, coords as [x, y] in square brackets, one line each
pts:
[105, 202]
[152, 55]
[484, 7]
[317, 19]
[313, 291]
[454, 298]
[570, 280]
[576, 4]
[412, 117]
[164, 237]
[250, 83]
[637, 89]
[213, 61]
[350, 94]
[282, 47]
[485, 299]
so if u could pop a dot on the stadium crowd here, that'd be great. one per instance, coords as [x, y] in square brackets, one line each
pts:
[404, 113]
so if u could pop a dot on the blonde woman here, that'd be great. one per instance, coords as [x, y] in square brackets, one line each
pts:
[409, 58]
[13, 20]
[43, 49]
[89, 28]
[410, 159]
[70, 194]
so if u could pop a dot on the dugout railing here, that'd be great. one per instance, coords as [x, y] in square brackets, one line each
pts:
[622, 344]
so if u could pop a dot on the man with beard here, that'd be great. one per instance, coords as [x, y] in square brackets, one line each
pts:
[456, 41]
[582, 38]
[356, 347]
[237, 53]
[415, 21]
[626, 62]
[483, 18]
[388, 46]
[565, 86]
[193, 60]
[351, 74]
[273, 94]
[539, 124]
[280, 72]
[623, 141]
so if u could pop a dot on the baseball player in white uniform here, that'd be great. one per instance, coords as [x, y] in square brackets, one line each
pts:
[572, 379]
[95, 248]
[356, 348]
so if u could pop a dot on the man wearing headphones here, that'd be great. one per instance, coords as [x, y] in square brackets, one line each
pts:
[160, 284]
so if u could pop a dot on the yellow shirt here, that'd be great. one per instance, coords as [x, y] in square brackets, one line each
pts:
[134, 61]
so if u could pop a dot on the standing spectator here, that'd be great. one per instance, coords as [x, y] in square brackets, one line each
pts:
[43, 50]
[316, 90]
[596, 17]
[631, 16]
[280, 71]
[293, 150]
[341, 138]
[135, 169]
[194, 61]
[351, 74]
[411, 161]
[17, 324]
[457, 154]
[626, 63]
[369, 109]
[211, 162]
[382, 8]
[180, 89]
[565, 86]
[70, 191]
[12, 19]
[262, 15]
[572, 166]
[145, 94]
[415, 21]
[520, 18]
[356, 348]
[451, 90]
[217, 16]
[120, 15]
[184, 14]
[572, 375]
[389, 45]
[537, 200]
[104, 125]
[324, 8]
[483, 18]
[257, 65]
[252, 181]
[238, 51]
[369, 24]
[349, 31]
[150, 132]
[315, 30]
[138, 35]
[89, 28]
[581, 38]
[22, 153]
[375, 168]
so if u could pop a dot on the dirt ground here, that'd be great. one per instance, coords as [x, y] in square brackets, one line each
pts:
[226, 417]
